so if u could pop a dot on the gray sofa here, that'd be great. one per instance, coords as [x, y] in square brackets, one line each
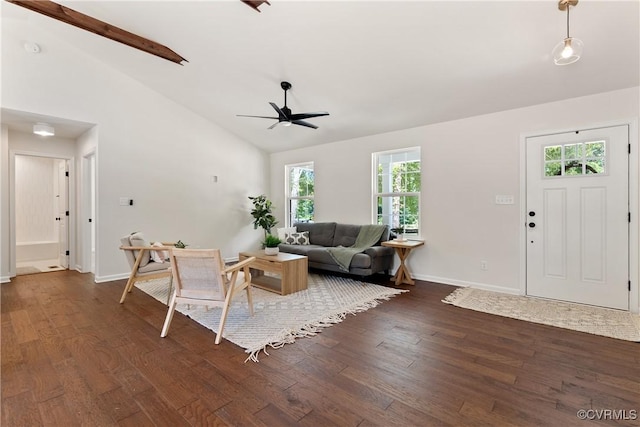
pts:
[322, 235]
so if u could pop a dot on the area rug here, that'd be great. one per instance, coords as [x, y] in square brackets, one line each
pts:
[578, 317]
[279, 320]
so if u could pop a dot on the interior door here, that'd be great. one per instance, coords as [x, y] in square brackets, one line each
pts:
[578, 217]
[62, 184]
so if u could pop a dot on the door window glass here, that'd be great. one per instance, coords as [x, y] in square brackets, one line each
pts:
[575, 159]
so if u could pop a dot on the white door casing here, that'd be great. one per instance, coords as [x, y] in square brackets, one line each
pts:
[577, 238]
[62, 189]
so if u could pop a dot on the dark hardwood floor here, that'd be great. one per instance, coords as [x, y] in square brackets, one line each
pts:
[72, 356]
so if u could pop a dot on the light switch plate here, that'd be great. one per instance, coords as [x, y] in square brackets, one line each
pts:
[504, 199]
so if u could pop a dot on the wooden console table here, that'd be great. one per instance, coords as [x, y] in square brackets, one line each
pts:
[291, 268]
[403, 248]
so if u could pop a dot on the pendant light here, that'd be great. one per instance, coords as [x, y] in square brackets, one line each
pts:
[568, 50]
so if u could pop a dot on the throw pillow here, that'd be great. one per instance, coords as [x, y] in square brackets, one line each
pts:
[297, 238]
[282, 232]
[159, 256]
[137, 239]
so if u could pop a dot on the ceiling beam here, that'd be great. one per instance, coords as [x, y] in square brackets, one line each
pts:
[255, 3]
[101, 28]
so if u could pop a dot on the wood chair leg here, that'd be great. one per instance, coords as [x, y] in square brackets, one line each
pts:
[170, 288]
[167, 320]
[250, 298]
[127, 288]
[225, 310]
[223, 319]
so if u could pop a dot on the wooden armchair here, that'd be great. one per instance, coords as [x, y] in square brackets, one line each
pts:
[138, 254]
[201, 278]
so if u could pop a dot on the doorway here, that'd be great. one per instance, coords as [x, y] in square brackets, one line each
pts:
[577, 208]
[41, 213]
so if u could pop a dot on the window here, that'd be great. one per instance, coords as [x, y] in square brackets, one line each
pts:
[582, 158]
[396, 195]
[300, 184]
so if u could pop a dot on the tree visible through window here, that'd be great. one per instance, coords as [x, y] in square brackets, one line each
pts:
[396, 197]
[582, 158]
[300, 192]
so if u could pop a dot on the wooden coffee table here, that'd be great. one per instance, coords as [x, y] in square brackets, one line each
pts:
[292, 271]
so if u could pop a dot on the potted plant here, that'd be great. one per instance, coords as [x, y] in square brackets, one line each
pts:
[262, 214]
[271, 243]
[399, 231]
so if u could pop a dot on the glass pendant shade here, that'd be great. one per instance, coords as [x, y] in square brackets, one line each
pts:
[567, 51]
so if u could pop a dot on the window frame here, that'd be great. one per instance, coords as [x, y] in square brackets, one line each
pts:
[289, 220]
[375, 162]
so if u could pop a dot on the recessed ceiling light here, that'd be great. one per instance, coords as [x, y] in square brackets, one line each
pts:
[43, 129]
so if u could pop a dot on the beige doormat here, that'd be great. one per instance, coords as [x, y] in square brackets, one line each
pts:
[279, 320]
[584, 318]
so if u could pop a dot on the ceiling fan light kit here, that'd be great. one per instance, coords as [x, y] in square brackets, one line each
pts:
[285, 117]
[568, 50]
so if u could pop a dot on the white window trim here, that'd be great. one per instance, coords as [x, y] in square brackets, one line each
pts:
[374, 185]
[287, 190]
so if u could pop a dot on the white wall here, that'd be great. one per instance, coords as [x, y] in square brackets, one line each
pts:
[151, 149]
[35, 216]
[4, 205]
[86, 145]
[465, 164]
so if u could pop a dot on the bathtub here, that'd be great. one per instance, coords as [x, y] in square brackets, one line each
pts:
[35, 251]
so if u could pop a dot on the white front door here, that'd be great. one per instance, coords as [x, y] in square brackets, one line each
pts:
[577, 217]
[62, 184]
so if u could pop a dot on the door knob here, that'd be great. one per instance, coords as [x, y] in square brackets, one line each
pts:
[532, 224]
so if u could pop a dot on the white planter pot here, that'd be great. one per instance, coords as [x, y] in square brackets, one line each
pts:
[271, 251]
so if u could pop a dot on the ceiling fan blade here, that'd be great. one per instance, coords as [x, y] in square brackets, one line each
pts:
[258, 117]
[301, 123]
[281, 114]
[302, 116]
[273, 125]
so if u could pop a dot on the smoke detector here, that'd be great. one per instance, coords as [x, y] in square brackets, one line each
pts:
[32, 47]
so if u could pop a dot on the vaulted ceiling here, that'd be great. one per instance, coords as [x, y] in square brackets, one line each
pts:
[375, 66]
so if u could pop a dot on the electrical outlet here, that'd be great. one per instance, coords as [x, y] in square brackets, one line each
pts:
[484, 265]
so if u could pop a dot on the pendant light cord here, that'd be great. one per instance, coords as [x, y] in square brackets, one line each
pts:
[568, 7]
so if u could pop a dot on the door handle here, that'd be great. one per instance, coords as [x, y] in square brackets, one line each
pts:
[532, 213]
[532, 225]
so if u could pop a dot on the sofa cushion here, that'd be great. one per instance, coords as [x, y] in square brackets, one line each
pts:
[301, 238]
[283, 231]
[345, 235]
[137, 239]
[298, 249]
[320, 233]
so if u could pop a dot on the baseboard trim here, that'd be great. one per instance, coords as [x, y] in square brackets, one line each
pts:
[5, 279]
[111, 278]
[467, 284]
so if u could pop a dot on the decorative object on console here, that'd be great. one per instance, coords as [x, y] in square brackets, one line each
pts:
[271, 243]
[399, 231]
